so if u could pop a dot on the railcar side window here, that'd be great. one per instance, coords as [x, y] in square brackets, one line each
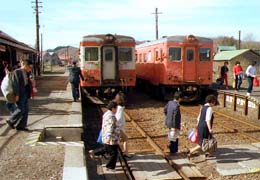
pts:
[145, 57]
[204, 54]
[140, 57]
[108, 55]
[190, 55]
[174, 54]
[91, 54]
[125, 54]
[149, 56]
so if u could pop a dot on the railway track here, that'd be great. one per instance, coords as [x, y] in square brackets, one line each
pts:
[139, 142]
[158, 150]
[244, 129]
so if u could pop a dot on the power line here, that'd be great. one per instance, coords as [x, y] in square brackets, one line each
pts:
[156, 21]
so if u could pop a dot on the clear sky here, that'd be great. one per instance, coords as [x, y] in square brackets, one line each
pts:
[65, 22]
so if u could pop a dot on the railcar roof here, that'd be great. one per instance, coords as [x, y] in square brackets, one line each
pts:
[103, 36]
[174, 39]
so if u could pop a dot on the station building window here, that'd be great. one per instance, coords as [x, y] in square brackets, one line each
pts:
[174, 53]
[205, 54]
[125, 54]
[91, 54]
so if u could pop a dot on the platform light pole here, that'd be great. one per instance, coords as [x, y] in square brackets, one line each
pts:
[156, 21]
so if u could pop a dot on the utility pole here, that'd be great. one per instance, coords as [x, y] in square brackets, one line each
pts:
[156, 21]
[37, 63]
[239, 39]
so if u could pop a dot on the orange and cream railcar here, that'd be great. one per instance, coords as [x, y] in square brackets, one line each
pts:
[107, 63]
[175, 63]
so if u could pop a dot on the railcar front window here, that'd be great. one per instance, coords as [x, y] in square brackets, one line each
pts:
[125, 54]
[174, 54]
[190, 55]
[108, 55]
[91, 54]
[205, 54]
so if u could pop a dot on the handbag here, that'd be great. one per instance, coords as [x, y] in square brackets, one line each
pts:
[173, 136]
[209, 145]
[99, 139]
[7, 88]
[193, 136]
[234, 84]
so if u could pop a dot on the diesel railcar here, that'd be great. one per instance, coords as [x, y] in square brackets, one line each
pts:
[107, 63]
[175, 63]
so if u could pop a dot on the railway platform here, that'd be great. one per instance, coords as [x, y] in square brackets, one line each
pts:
[53, 148]
[239, 105]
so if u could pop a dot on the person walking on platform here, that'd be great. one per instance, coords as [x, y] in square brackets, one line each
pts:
[173, 121]
[238, 75]
[223, 73]
[110, 136]
[74, 78]
[22, 90]
[250, 74]
[204, 123]
[120, 100]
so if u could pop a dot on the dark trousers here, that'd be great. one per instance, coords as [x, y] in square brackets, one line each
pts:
[250, 84]
[238, 82]
[75, 90]
[20, 115]
[112, 150]
[174, 146]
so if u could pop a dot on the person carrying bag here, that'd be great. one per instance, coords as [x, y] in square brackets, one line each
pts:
[206, 142]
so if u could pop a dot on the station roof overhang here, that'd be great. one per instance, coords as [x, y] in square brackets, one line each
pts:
[5, 39]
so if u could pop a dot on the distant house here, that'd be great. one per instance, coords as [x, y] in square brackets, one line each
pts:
[55, 58]
[226, 48]
[46, 57]
[244, 56]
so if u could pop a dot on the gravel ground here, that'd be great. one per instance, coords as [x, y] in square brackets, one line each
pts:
[149, 114]
[22, 162]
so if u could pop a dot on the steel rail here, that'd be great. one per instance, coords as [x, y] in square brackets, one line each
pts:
[156, 147]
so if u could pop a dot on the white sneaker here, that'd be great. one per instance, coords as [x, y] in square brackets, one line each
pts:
[247, 94]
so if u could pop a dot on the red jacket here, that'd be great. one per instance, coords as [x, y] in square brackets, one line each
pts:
[237, 69]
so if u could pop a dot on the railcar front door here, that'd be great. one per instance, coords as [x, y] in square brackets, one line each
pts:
[108, 64]
[189, 65]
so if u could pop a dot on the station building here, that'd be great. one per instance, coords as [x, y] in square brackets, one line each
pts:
[244, 56]
[12, 51]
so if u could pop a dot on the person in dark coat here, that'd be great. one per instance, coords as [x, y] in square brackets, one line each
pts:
[223, 73]
[22, 90]
[74, 78]
[173, 121]
[204, 122]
